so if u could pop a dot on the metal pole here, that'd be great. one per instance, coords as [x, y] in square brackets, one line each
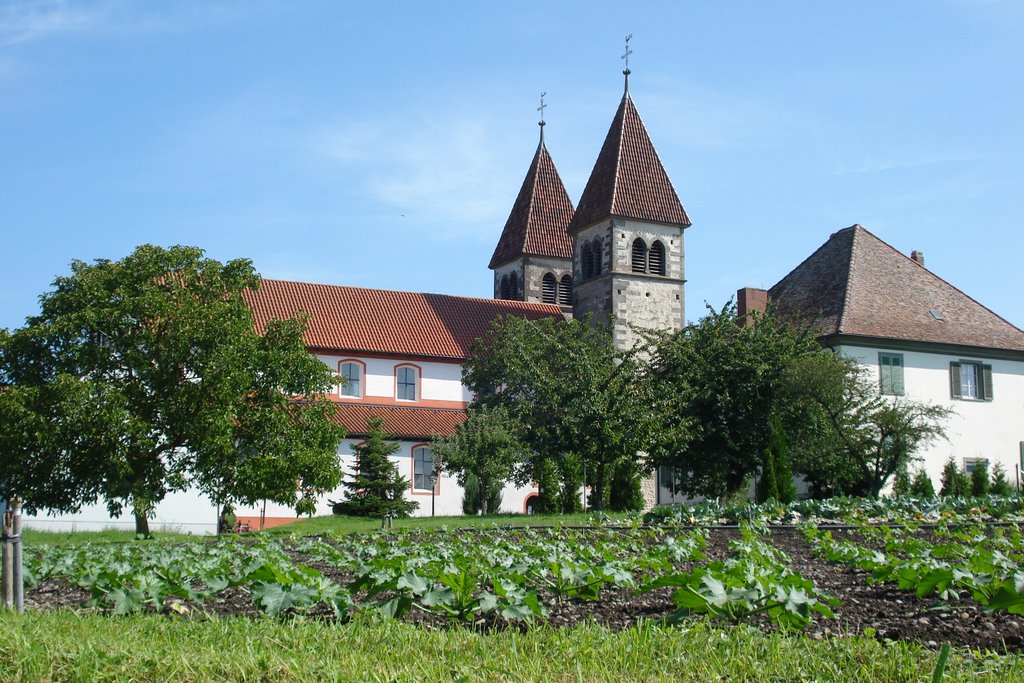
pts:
[7, 568]
[433, 489]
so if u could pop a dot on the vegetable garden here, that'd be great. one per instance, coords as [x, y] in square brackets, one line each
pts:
[934, 572]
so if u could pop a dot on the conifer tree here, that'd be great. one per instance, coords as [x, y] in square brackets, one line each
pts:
[921, 485]
[783, 465]
[767, 483]
[376, 488]
[979, 479]
[626, 492]
[1000, 485]
[901, 482]
[954, 482]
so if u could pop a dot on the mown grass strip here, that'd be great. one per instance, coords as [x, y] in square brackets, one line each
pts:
[67, 646]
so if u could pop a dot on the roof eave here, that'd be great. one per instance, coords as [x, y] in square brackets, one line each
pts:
[968, 350]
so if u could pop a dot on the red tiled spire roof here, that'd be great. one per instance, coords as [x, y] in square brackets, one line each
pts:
[856, 284]
[384, 321]
[405, 423]
[628, 179]
[539, 221]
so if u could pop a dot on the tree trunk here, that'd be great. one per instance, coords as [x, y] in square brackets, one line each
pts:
[141, 525]
[598, 496]
[481, 495]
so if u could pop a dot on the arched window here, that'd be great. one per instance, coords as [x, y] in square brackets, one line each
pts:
[504, 287]
[588, 262]
[598, 256]
[407, 380]
[639, 256]
[565, 290]
[549, 290]
[513, 284]
[656, 259]
[424, 476]
[351, 372]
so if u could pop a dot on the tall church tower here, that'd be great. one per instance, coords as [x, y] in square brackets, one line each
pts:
[627, 235]
[533, 259]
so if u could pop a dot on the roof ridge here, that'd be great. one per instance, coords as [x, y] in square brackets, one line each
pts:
[501, 302]
[618, 150]
[849, 273]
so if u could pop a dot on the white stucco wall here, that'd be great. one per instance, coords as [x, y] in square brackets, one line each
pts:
[183, 512]
[977, 429]
[438, 381]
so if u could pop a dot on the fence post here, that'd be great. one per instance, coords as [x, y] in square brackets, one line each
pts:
[10, 578]
[19, 579]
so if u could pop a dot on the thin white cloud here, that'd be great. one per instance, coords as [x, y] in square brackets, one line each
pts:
[23, 22]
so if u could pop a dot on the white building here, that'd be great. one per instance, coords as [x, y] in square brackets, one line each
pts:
[919, 337]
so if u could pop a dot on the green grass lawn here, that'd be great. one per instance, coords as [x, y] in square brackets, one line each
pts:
[329, 523]
[65, 646]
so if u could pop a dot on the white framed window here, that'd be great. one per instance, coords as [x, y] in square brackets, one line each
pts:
[424, 476]
[970, 380]
[971, 463]
[890, 373]
[407, 380]
[351, 373]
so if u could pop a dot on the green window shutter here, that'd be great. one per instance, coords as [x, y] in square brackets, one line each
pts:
[897, 374]
[954, 379]
[986, 382]
[885, 373]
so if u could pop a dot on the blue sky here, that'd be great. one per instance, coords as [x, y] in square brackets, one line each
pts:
[382, 144]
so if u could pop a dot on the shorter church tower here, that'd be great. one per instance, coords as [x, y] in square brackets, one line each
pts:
[533, 259]
[627, 235]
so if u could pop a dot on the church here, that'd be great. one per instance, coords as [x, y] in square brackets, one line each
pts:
[619, 255]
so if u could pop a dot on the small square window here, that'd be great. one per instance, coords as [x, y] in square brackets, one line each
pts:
[970, 380]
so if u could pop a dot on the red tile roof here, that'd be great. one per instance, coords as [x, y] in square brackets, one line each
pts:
[628, 179]
[539, 220]
[404, 423]
[856, 284]
[406, 324]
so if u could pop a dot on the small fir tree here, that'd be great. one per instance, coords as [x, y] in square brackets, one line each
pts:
[548, 488]
[376, 488]
[954, 481]
[921, 485]
[767, 483]
[1000, 484]
[783, 466]
[901, 482]
[626, 489]
[979, 479]
[471, 496]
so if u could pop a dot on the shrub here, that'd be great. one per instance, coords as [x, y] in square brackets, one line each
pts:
[979, 479]
[921, 485]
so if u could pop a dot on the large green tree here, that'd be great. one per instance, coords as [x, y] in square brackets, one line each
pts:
[718, 389]
[852, 440]
[146, 375]
[583, 403]
[486, 447]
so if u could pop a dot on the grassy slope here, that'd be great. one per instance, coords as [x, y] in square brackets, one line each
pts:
[64, 646]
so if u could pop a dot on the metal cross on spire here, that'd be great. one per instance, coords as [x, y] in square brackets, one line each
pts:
[625, 56]
[541, 109]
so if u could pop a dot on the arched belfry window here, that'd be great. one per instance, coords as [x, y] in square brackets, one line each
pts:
[565, 291]
[588, 262]
[639, 256]
[598, 256]
[513, 284]
[549, 289]
[656, 259]
[504, 287]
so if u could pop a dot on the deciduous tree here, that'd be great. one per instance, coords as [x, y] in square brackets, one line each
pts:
[142, 376]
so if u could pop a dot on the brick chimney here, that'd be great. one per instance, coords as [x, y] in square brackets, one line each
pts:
[748, 300]
[917, 257]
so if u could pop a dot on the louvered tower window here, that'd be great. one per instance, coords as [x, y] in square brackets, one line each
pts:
[656, 259]
[513, 284]
[565, 291]
[598, 256]
[504, 287]
[639, 256]
[588, 262]
[549, 292]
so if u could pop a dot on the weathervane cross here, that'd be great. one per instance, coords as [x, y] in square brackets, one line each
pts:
[542, 107]
[628, 52]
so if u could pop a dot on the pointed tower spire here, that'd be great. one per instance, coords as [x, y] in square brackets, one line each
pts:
[628, 180]
[539, 220]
